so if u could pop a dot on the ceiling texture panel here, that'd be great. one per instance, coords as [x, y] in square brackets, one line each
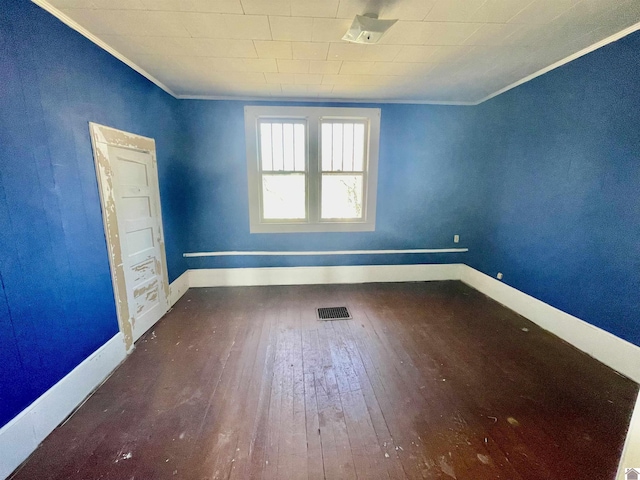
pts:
[439, 51]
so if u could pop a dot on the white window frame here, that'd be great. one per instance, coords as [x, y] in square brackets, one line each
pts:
[312, 117]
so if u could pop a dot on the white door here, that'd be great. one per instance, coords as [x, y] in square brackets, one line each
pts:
[126, 167]
[137, 204]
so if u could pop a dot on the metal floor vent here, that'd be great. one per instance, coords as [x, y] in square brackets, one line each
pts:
[333, 313]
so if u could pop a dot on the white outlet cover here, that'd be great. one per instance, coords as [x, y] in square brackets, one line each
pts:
[456, 238]
[499, 275]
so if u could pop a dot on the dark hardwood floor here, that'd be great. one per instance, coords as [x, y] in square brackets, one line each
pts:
[428, 380]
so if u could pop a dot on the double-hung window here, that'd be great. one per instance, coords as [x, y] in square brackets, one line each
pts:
[312, 169]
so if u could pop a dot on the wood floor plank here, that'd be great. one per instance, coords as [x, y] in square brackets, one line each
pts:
[258, 439]
[406, 425]
[428, 380]
[270, 467]
[256, 398]
[336, 448]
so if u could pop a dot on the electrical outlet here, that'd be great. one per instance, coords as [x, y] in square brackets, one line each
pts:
[456, 238]
[499, 275]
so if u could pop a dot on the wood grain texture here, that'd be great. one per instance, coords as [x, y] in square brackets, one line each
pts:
[429, 380]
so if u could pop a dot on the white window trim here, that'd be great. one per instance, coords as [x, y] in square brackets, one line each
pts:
[312, 116]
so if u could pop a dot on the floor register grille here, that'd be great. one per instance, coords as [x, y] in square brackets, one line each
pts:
[334, 313]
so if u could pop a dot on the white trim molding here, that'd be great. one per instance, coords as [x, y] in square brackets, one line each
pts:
[355, 101]
[70, 22]
[178, 288]
[322, 252]
[574, 56]
[22, 435]
[229, 277]
[613, 351]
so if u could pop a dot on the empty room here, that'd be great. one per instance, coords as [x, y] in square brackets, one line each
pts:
[319, 239]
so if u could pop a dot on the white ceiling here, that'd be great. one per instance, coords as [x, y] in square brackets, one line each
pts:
[451, 51]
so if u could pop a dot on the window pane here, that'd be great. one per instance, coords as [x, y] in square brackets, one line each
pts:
[327, 150]
[343, 147]
[300, 147]
[341, 196]
[278, 147]
[336, 164]
[265, 146]
[283, 197]
[358, 147]
[347, 148]
[288, 146]
[283, 146]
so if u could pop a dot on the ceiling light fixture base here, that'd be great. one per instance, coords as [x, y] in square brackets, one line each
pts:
[367, 29]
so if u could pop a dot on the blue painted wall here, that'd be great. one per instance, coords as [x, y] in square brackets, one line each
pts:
[542, 183]
[562, 217]
[56, 299]
[427, 189]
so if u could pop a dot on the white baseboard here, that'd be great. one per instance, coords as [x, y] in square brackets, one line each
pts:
[228, 277]
[178, 288]
[22, 435]
[613, 351]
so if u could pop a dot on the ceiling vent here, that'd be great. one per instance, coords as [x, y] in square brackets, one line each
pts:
[367, 29]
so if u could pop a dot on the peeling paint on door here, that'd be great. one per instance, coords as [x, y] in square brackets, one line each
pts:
[139, 291]
[129, 278]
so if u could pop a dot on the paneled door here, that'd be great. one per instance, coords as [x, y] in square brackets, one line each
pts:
[128, 177]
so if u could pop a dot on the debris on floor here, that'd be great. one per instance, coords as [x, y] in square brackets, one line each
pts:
[513, 422]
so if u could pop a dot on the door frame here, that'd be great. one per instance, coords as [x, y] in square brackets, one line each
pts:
[101, 138]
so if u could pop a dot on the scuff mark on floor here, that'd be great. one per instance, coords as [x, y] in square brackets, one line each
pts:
[446, 468]
[123, 456]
